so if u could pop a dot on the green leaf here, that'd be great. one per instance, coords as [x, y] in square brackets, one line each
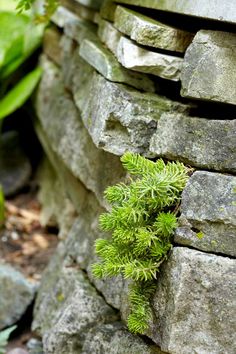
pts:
[20, 93]
[4, 336]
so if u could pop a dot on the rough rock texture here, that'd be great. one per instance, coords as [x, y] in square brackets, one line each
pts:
[16, 294]
[115, 339]
[67, 307]
[69, 139]
[15, 168]
[146, 31]
[51, 44]
[106, 64]
[79, 29]
[57, 208]
[108, 10]
[120, 118]
[194, 303]
[208, 213]
[109, 35]
[62, 16]
[84, 12]
[200, 142]
[209, 69]
[212, 9]
[93, 4]
[133, 57]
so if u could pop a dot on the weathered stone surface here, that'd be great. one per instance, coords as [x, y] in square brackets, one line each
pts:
[108, 10]
[212, 9]
[15, 167]
[93, 4]
[80, 10]
[133, 57]
[74, 188]
[115, 339]
[69, 139]
[147, 31]
[208, 213]
[109, 35]
[51, 44]
[57, 209]
[120, 118]
[78, 29]
[16, 294]
[67, 306]
[106, 64]
[62, 16]
[209, 69]
[194, 303]
[201, 142]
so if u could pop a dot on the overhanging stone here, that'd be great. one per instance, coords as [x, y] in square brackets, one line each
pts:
[211, 9]
[106, 64]
[146, 31]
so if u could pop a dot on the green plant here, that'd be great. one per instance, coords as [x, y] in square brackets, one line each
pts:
[19, 38]
[4, 336]
[49, 7]
[142, 220]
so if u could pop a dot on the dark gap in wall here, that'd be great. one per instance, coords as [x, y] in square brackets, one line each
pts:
[206, 252]
[184, 22]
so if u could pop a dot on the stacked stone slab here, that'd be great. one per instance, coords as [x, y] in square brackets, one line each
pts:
[113, 79]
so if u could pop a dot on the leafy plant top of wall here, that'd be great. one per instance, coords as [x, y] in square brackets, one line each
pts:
[142, 220]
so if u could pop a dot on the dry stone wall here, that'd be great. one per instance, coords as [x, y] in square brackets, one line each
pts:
[155, 78]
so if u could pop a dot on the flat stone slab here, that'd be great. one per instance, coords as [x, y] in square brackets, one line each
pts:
[93, 4]
[68, 137]
[109, 35]
[209, 68]
[133, 57]
[212, 9]
[51, 44]
[208, 213]
[119, 118]
[107, 65]
[115, 339]
[62, 16]
[194, 303]
[200, 142]
[146, 31]
[16, 294]
[84, 12]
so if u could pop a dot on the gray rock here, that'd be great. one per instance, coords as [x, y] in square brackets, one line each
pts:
[62, 16]
[18, 351]
[78, 29]
[106, 64]
[15, 167]
[69, 139]
[51, 44]
[16, 294]
[35, 346]
[67, 307]
[208, 213]
[133, 57]
[93, 4]
[212, 9]
[80, 10]
[109, 35]
[146, 31]
[115, 339]
[194, 303]
[120, 118]
[204, 143]
[56, 208]
[209, 69]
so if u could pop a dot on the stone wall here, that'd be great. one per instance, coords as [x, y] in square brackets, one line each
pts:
[157, 78]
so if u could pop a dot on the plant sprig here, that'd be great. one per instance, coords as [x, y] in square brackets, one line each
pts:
[142, 221]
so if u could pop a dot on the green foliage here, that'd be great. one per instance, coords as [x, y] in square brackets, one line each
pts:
[18, 40]
[142, 221]
[49, 7]
[20, 93]
[4, 336]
